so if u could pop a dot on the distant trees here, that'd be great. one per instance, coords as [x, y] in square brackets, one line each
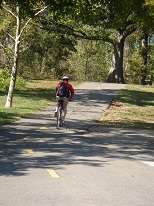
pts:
[46, 54]
[91, 62]
[138, 67]
[113, 21]
[90, 40]
[108, 21]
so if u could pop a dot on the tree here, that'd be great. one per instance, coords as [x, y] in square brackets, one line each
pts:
[45, 54]
[116, 21]
[21, 10]
[110, 21]
[139, 58]
[15, 12]
[91, 61]
[144, 54]
[146, 30]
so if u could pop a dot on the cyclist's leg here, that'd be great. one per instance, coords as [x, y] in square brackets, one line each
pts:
[57, 116]
[59, 112]
[65, 103]
[57, 105]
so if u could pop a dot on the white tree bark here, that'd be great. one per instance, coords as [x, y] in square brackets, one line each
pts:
[15, 62]
[16, 51]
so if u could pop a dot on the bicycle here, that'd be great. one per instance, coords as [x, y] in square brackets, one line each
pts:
[59, 113]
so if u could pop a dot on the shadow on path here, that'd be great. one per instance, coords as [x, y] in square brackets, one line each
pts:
[72, 145]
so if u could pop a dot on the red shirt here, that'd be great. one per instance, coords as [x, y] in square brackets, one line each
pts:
[70, 89]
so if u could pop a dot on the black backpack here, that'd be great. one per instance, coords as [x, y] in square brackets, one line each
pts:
[62, 90]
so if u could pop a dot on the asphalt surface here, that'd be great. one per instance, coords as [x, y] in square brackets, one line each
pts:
[81, 164]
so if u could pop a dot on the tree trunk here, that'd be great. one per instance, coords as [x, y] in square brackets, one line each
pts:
[16, 51]
[15, 63]
[86, 69]
[116, 69]
[144, 41]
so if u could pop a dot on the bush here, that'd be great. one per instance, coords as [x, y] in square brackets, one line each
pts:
[20, 83]
[133, 73]
[5, 81]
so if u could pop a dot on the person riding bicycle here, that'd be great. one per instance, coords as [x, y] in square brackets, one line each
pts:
[68, 96]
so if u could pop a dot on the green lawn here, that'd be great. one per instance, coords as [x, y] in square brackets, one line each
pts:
[36, 95]
[132, 107]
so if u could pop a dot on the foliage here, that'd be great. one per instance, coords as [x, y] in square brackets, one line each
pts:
[92, 61]
[44, 53]
[133, 73]
[20, 83]
[47, 46]
[5, 81]
[133, 59]
[151, 55]
[6, 23]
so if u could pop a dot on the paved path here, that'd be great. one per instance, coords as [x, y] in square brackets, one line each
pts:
[80, 165]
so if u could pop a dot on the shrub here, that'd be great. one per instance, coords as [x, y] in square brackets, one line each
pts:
[5, 81]
[20, 83]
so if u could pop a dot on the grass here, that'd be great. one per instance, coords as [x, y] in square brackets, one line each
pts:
[133, 107]
[36, 95]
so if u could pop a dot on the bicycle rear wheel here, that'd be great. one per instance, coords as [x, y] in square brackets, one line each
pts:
[59, 113]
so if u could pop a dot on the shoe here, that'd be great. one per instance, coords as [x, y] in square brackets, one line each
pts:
[63, 122]
[55, 115]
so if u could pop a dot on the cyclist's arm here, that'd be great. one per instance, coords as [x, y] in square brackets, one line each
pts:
[57, 88]
[72, 91]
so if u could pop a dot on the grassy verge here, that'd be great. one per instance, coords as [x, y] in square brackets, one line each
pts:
[36, 95]
[132, 107]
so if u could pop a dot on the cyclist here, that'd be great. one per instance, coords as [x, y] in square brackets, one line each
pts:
[69, 95]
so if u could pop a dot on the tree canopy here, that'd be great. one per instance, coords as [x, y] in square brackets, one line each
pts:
[64, 23]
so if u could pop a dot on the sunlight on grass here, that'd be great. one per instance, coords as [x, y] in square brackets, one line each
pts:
[132, 107]
[36, 95]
